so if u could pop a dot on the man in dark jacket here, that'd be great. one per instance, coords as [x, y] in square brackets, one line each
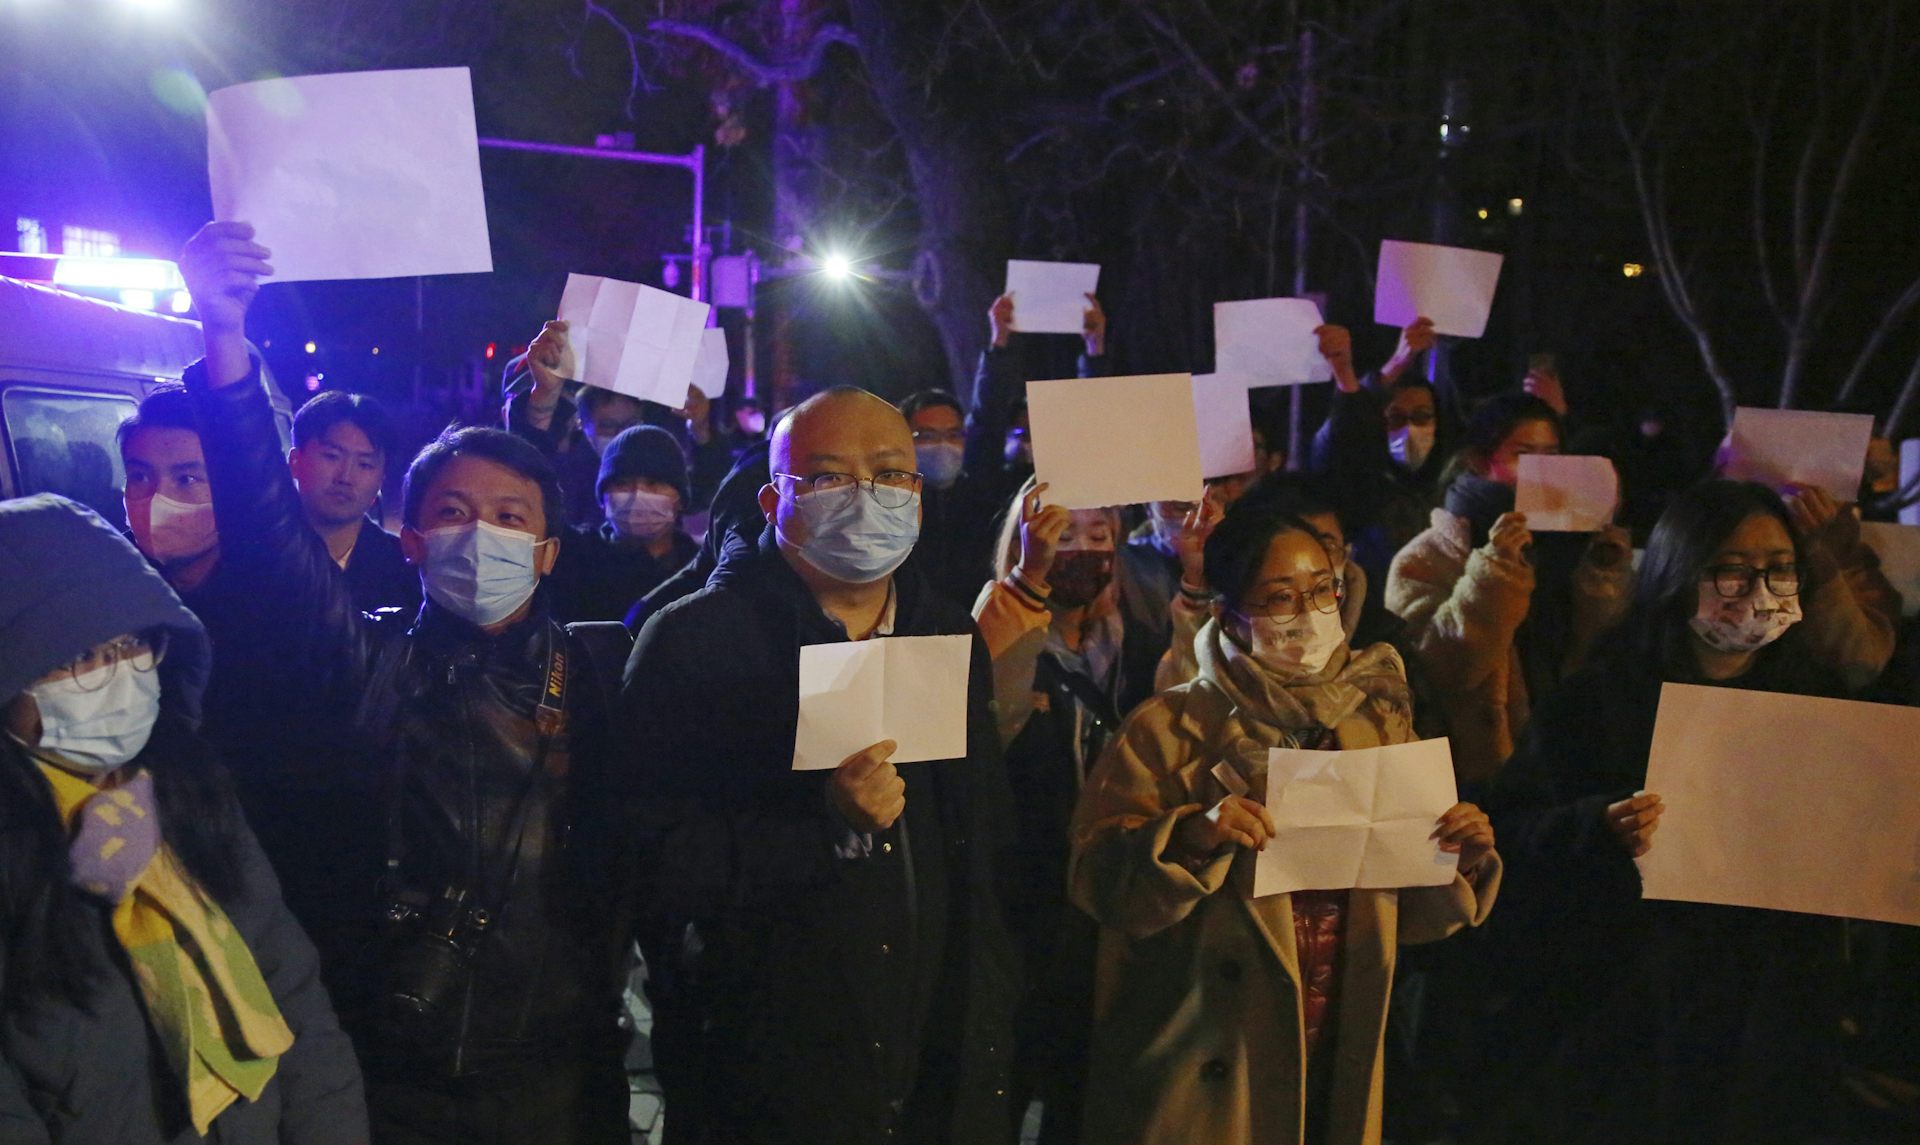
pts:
[603, 571]
[488, 1007]
[341, 445]
[830, 962]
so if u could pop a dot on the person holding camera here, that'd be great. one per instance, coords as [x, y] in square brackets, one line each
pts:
[487, 863]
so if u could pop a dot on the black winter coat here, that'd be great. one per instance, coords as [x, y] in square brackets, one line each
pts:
[808, 997]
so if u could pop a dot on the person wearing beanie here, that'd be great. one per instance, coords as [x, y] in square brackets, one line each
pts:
[605, 569]
[153, 985]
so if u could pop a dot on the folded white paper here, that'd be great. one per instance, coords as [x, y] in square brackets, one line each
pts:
[1806, 448]
[1451, 285]
[1115, 441]
[632, 338]
[1785, 802]
[1898, 547]
[909, 689]
[1357, 819]
[1269, 341]
[1224, 418]
[1566, 493]
[353, 175]
[1051, 297]
[710, 367]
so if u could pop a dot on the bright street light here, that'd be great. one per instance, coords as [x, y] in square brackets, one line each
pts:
[837, 267]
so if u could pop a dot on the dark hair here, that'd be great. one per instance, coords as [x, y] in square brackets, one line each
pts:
[1496, 418]
[495, 445]
[167, 407]
[590, 397]
[324, 411]
[930, 399]
[1697, 522]
[43, 919]
[1239, 543]
[1296, 494]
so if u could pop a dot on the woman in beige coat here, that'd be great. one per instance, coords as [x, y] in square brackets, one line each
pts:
[1222, 1018]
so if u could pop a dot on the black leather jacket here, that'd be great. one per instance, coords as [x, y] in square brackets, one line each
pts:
[432, 723]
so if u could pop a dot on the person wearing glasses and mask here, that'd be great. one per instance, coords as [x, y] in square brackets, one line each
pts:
[153, 986]
[959, 506]
[1218, 1016]
[1639, 1021]
[829, 962]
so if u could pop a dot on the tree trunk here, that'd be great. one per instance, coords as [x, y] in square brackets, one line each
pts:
[795, 205]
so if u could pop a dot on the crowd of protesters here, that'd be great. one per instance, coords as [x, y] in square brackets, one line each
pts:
[315, 833]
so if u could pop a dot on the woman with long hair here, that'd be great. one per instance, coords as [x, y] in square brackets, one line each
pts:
[153, 986]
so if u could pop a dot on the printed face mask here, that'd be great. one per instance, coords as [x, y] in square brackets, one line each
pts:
[171, 531]
[856, 540]
[479, 571]
[1411, 445]
[639, 514]
[1299, 647]
[1079, 576]
[940, 463]
[100, 720]
[1743, 624]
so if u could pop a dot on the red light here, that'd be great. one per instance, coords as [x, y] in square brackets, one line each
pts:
[491, 347]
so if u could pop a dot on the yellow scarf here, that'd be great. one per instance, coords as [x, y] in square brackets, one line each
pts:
[214, 1014]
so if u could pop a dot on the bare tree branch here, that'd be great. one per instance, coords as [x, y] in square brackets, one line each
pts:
[764, 73]
[1908, 299]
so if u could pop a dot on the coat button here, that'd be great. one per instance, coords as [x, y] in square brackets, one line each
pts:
[1214, 1070]
[885, 949]
[886, 848]
[1230, 970]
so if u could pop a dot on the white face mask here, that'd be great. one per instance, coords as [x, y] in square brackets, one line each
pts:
[172, 531]
[1299, 647]
[100, 720]
[641, 515]
[480, 571]
[1743, 624]
[1411, 445]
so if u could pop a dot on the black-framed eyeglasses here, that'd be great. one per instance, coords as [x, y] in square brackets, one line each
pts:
[139, 653]
[1286, 604]
[1422, 417]
[891, 488]
[1735, 581]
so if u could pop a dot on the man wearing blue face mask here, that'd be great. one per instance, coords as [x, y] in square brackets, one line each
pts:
[959, 507]
[475, 840]
[840, 925]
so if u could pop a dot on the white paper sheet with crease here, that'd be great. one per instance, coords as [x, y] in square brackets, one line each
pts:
[1451, 285]
[909, 689]
[633, 339]
[353, 175]
[1567, 493]
[1115, 441]
[1051, 297]
[1785, 802]
[1357, 819]
[711, 364]
[1800, 447]
[1269, 341]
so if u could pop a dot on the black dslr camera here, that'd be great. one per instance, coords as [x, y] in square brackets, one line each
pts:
[430, 960]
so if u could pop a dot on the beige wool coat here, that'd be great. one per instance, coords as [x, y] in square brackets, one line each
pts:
[1198, 1033]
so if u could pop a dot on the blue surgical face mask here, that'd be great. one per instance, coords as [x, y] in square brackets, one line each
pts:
[480, 572]
[857, 539]
[940, 462]
[99, 721]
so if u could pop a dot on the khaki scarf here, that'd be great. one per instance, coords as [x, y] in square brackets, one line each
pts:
[214, 1014]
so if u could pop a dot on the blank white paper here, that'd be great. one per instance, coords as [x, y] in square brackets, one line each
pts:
[353, 175]
[1269, 341]
[1451, 285]
[633, 339]
[1800, 447]
[909, 689]
[1223, 416]
[1568, 493]
[1115, 441]
[1051, 297]
[1357, 819]
[710, 366]
[1898, 547]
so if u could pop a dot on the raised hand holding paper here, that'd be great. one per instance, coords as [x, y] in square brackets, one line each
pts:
[1051, 297]
[1357, 819]
[1269, 341]
[1224, 419]
[909, 689]
[1115, 441]
[1780, 447]
[1566, 493]
[1785, 802]
[353, 175]
[1451, 285]
[633, 339]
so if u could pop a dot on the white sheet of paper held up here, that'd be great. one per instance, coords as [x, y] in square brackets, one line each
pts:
[710, 367]
[1224, 419]
[353, 175]
[632, 338]
[1785, 802]
[1269, 341]
[1051, 297]
[1115, 441]
[1357, 819]
[909, 689]
[1898, 547]
[1780, 447]
[1567, 493]
[1451, 285]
